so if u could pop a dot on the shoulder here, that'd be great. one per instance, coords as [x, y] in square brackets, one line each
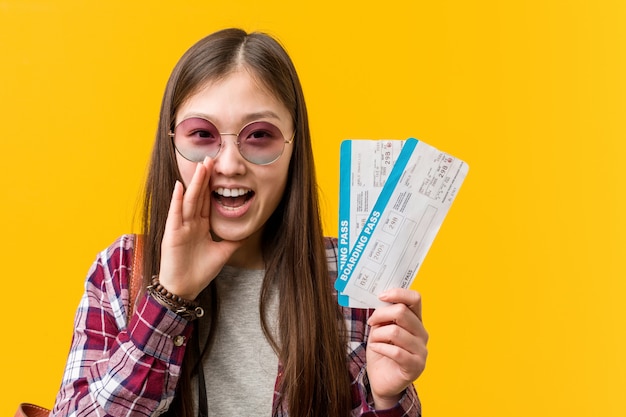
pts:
[118, 253]
[113, 263]
[107, 284]
[120, 247]
[330, 244]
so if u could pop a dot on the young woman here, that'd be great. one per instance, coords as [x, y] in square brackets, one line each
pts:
[238, 315]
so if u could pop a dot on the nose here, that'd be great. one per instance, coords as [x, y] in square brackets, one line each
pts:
[229, 161]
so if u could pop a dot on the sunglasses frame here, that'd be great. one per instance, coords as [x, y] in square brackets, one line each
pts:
[237, 141]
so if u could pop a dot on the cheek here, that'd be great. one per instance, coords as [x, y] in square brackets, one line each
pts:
[276, 183]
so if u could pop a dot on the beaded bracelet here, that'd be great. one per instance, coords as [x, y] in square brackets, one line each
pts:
[187, 309]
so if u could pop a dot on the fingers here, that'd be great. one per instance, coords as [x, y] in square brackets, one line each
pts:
[175, 213]
[398, 335]
[395, 335]
[405, 310]
[405, 351]
[410, 298]
[409, 365]
[193, 198]
[195, 201]
[399, 325]
[412, 363]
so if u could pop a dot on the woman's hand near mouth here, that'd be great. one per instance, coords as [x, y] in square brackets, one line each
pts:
[190, 257]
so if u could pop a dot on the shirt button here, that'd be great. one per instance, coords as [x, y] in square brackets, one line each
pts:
[179, 340]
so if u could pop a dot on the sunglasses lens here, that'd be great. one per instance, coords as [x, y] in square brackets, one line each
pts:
[195, 138]
[261, 143]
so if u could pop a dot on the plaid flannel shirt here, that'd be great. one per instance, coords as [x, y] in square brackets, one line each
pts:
[120, 368]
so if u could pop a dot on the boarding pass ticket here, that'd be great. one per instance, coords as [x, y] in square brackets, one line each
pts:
[394, 196]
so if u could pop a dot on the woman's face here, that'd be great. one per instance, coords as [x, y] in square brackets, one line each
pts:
[243, 195]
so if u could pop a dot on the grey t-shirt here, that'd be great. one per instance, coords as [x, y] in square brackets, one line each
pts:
[240, 371]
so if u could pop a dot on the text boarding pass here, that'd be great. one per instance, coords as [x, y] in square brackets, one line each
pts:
[402, 224]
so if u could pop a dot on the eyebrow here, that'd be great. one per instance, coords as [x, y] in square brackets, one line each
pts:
[268, 114]
[250, 117]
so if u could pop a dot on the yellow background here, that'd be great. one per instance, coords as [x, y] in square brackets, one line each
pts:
[524, 286]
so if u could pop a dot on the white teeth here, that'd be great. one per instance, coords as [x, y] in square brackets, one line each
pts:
[231, 192]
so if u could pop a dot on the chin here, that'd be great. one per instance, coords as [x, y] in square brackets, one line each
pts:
[230, 234]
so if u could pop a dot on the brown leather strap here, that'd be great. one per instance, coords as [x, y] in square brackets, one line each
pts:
[31, 410]
[136, 275]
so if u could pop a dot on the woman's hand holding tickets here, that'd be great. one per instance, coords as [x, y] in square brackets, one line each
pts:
[396, 347]
[190, 257]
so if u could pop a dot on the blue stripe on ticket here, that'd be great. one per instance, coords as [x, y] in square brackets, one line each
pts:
[343, 247]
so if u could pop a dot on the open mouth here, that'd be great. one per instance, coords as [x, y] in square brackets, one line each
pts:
[232, 198]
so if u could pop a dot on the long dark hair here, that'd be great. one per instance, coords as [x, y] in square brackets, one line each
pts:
[310, 343]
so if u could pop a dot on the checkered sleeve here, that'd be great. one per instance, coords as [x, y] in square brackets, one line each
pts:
[358, 331]
[115, 367]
